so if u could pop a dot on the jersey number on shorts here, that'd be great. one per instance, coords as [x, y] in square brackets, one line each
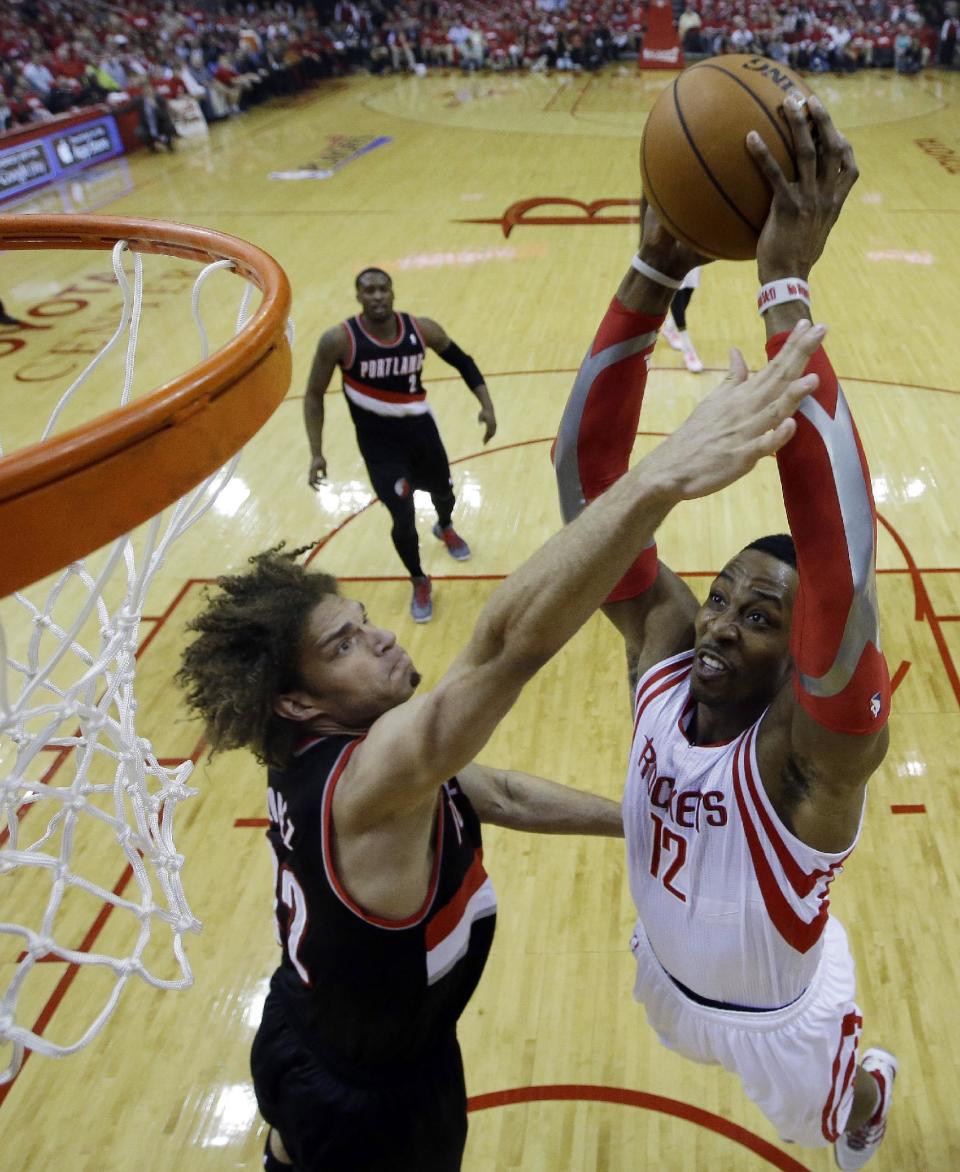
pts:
[669, 854]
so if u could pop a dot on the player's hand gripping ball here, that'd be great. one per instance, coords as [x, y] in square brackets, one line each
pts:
[697, 173]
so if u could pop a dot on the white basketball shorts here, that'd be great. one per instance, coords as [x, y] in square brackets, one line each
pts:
[797, 1064]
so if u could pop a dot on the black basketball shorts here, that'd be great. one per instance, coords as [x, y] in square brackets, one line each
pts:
[402, 454]
[415, 1122]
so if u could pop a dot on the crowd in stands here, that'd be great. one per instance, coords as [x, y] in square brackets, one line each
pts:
[56, 55]
[822, 35]
[812, 35]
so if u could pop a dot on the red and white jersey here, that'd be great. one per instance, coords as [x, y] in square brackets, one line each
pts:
[733, 904]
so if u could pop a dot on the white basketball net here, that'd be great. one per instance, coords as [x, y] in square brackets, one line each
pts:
[116, 780]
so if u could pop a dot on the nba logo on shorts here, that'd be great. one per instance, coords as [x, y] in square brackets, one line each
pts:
[402, 488]
[875, 705]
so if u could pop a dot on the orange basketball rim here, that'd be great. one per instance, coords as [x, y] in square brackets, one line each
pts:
[62, 498]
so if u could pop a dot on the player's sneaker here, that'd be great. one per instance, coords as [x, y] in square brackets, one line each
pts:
[691, 358]
[457, 548]
[421, 604]
[671, 333]
[854, 1148]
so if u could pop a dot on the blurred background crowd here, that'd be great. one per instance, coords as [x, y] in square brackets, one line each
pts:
[58, 55]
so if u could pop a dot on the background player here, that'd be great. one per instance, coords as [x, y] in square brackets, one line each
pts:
[384, 907]
[760, 715]
[381, 354]
[675, 324]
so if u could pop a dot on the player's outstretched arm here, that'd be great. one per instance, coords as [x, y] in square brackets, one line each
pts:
[331, 350]
[522, 801]
[831, 727]
[651, 606]
[415, 746]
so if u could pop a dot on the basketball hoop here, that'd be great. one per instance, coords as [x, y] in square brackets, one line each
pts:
[69, 644]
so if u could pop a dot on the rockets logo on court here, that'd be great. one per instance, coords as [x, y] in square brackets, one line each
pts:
[875, 705]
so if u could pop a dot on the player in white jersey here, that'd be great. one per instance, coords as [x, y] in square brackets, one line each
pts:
[760, 715]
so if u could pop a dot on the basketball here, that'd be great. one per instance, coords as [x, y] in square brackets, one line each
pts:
[697, 173]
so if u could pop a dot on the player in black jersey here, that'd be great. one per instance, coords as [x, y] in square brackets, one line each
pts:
[381, 353]
[384, 908]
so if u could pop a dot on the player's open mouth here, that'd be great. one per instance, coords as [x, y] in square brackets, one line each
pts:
[710, 665]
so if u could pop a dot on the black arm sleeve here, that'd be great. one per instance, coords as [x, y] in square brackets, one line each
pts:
[468, 369]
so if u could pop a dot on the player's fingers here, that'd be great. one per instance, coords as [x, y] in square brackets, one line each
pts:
[786, 406]
[800, 346]
[778, 389]
[835, 154]
[768, 416]
[738, 369]
[795, 109]
[829, 139]
[774, 440]
[769, 167]
[796, 392]
[849, 171]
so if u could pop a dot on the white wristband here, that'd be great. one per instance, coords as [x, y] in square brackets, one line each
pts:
[778, 292]
[661, 278]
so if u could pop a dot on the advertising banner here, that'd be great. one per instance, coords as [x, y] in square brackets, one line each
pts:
[57, 154]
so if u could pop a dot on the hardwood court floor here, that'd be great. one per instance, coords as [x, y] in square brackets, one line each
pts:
[565, 1072]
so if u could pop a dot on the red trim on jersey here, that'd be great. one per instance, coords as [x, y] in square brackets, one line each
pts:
[849, 1028]
[801, 881]
[450, 915]
[383, 396]
[307, 743]
[667, 686]
[353, 347]
[417, 330]
[401, 330]
[797, 932]
[679, 664]
[333, 878]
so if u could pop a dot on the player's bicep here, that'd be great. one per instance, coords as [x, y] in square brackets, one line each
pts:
[827, 760]
[840, 761]
[485, 789]
[433, 334]
[657, 623]
[330, 352]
